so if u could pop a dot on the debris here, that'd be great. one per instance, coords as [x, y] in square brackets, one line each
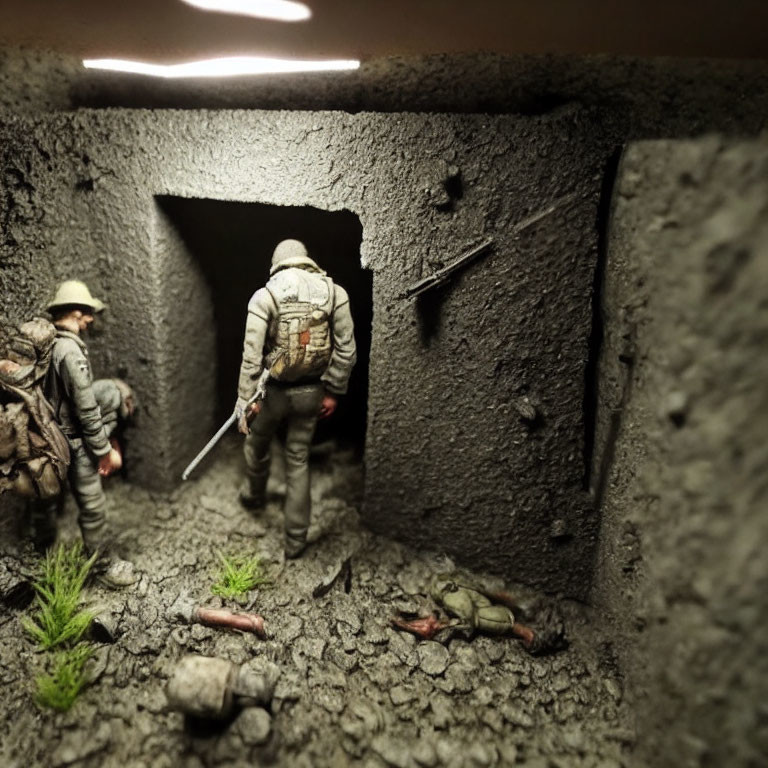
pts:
[212, 688]
[217, 617]
[341, 573]
[425, 628]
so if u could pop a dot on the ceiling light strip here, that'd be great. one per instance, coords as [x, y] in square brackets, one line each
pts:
[224, 67]
[276, 10]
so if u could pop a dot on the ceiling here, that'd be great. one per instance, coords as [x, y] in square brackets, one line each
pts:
[167, 31]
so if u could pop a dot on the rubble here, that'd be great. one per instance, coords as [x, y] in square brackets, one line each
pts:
[352, 689]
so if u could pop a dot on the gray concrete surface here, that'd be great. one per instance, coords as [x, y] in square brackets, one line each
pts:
[681, 576]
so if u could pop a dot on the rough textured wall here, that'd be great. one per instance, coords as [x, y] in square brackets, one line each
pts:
[682, 568]
[450, 461]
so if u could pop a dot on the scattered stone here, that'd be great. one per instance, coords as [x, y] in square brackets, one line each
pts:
[433, 658]
[345, 661]
[77, 746]
[561, 682]
[515, 715]
[442, 711]
[460, 678]
[573, 738]
[391, 751]
[402, 694]
[424, 753]
[493, 719]
[330, 700]
[482, 755]
[254, 726]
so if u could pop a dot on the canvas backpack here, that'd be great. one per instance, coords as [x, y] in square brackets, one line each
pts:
[34, 454]
[299, 336]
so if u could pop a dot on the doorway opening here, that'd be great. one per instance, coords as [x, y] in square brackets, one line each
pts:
[215, 255]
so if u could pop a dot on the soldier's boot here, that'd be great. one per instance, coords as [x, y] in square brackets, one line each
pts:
[253, 492]
[110, 569]
[294, 547]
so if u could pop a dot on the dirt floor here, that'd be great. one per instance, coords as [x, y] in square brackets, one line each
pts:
[352, 690]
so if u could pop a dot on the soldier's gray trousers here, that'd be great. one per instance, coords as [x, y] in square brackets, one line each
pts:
[298, 408]
[83, 476]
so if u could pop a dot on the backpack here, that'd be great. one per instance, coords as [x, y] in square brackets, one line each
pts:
[34, 454]
[299, 335]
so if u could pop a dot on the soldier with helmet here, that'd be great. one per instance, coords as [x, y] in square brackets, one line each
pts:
[300, 327]
[87, 412]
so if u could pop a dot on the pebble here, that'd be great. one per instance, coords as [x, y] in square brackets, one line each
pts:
[254, 726]
[402, 694]
[515, 715]
[424, 753]
[561, 682]
[433, 658]
[392, 752]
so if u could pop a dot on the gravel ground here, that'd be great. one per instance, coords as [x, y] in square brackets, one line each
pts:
[352, 690]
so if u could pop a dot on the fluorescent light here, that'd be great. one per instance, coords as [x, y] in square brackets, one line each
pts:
[226, 67]
[279, 10]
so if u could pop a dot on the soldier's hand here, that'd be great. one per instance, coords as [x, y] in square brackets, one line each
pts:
[328, 406]
[248, 415]
[110, 463]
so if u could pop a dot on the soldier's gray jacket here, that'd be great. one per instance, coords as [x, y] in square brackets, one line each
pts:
[262, 309]
[69, 389]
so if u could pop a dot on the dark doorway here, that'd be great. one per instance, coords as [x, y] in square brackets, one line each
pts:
[232, 243]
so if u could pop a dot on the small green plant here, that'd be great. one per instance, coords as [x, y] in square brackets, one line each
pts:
[59, 689]
[238, 575]
[59, 620]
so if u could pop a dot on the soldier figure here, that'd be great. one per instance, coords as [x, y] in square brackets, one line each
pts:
[87, 412]
[300, 327]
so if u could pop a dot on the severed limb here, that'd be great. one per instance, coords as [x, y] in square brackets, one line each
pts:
[187, 611]
[245, 622]
[425, 627]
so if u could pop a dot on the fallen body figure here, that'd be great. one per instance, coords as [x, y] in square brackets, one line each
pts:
[474, 609]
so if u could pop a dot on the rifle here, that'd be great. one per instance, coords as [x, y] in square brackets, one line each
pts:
[441, 275]
[259, 394]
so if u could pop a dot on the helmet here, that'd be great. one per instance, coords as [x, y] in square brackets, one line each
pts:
[74, 292]
[288, 249]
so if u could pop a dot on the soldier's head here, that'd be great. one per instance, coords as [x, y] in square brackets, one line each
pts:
[288, 251]
[73, 307]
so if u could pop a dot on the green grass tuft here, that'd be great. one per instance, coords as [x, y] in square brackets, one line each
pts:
[59, 620]
[59, 689]
[239, 574]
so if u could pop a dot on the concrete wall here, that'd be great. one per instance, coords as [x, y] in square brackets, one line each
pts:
[681, 576]
[450, 463]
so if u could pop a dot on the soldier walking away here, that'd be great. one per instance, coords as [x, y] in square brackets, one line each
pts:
[88, 412]
[300, 327]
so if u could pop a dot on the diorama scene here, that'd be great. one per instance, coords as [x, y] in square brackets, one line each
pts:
[383, 384]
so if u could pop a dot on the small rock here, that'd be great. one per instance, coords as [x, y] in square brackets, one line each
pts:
[442, 711]
[483, 695]
[78, 745]
[493, 719]
[433, 658]
[330, 700]
[515, 715]
[376, 634]
[424, 753]
[573, 738]
[254, 726]
[392, 752]
[482, 755]
[561, 682]
[460, 678]
[401, 694]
